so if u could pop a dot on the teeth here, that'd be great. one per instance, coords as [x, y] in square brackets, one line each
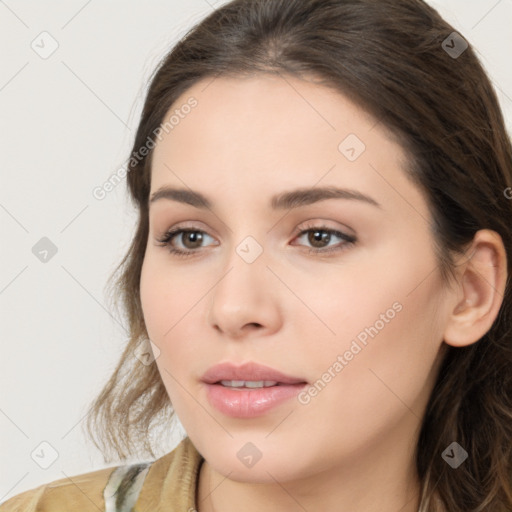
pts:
[248, 383]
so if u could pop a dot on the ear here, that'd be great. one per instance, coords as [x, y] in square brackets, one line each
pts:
[478, 293]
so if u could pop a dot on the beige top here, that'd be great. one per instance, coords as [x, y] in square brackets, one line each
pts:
[168, 484]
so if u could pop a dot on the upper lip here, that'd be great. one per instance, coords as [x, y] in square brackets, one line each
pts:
[249, 372]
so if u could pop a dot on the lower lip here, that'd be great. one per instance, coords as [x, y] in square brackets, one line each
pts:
[249, 403]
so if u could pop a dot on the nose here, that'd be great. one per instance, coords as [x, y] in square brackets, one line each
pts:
[246, 299]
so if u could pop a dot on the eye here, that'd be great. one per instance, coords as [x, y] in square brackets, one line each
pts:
[191, 240]
[321, 236]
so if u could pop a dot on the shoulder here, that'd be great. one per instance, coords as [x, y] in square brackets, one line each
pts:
[170, 479]
[81, 492]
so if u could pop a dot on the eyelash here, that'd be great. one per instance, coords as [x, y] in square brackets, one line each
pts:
[166, 239]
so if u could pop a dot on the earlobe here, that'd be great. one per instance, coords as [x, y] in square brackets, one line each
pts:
[478, 296]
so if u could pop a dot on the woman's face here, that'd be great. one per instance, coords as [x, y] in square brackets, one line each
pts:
[357, 317]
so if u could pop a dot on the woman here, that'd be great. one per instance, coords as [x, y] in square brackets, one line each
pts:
[318, 283]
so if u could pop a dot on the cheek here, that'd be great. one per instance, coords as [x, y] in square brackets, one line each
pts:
[172, 302]
[168, 297]
[388, 335]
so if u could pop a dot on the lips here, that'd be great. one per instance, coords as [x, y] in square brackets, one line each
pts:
[249, 390]
[247, 372]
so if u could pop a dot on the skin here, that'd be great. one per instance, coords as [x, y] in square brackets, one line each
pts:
[351, 447]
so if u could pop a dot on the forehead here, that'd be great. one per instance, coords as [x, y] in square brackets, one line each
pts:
[275, 132]
[271, 110]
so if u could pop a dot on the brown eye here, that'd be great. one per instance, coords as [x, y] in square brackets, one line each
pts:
[319, 239]
[184, 242]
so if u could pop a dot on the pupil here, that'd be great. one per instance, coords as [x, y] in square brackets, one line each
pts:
[316, 238]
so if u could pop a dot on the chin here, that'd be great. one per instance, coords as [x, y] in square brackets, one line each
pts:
[261, 473]
[269, 463]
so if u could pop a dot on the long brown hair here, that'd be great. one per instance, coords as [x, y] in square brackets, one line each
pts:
[390, 57]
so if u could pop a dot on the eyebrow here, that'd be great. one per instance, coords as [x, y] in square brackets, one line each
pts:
[285, 200]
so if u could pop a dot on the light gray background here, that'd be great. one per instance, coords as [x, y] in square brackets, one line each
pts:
[66, 125]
